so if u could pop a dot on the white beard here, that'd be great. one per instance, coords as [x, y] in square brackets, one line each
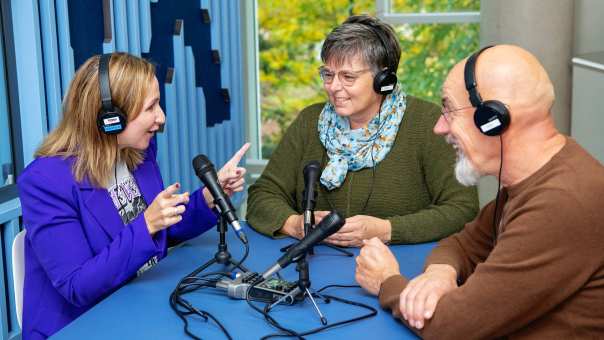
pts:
[465, 173]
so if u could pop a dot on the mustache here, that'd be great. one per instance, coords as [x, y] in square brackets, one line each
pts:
[450, 140]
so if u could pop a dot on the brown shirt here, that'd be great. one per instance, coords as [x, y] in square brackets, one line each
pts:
[543, 278]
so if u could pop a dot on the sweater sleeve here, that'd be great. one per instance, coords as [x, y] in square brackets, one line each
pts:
[272, 198]
[452, 205]
[536, 265]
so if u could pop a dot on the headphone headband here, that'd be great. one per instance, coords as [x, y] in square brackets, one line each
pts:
[470, 77]
[110, 119]
[104, 85]
[378, 32]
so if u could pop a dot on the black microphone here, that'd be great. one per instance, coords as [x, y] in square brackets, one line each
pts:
[309, 196]
[328, 225]
[204, 169]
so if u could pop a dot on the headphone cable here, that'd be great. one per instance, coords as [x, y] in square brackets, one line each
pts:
[495, 219]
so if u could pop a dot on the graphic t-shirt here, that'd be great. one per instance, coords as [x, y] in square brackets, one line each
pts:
[129, 202]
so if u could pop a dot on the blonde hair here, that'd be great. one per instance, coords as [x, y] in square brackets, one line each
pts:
[78, 136]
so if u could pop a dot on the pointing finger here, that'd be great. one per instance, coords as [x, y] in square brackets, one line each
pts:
[238, 155]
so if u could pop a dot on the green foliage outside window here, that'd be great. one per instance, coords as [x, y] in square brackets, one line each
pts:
[291, 34]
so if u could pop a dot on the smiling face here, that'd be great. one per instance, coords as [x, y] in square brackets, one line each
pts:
[352, 96]
[456, 124]
[141, 129]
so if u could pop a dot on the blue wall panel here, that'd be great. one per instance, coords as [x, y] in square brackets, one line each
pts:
[180, 80]
[52, 78]
[134, 36]
[66, 55]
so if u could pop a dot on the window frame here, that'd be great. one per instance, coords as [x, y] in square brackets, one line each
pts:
[384, 12]
[10, 192]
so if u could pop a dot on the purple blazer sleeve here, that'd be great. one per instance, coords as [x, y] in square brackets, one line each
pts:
[61, 243]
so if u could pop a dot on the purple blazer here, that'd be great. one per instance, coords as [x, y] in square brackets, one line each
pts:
[77, 249]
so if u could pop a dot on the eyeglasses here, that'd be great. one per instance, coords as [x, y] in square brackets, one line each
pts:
[347, 78]
[447, 113]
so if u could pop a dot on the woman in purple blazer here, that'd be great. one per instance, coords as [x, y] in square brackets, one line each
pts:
[94, 206]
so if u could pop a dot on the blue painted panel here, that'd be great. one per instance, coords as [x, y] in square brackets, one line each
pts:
[219, 145]
[236, 86]
[212, 143]
[180, 80]
[192, 115]
[215, 24]
[163, 156]
[120, 21]
[201, 123]
[145, 24]
[66, 54]
[52, 75]
[133, 18]
[171, 131]
[28, 55]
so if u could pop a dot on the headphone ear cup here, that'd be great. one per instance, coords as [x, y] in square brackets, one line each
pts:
[111, 122]
[491, 117]
[384, 82]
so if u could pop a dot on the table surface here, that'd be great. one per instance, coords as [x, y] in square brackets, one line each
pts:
[141, 310]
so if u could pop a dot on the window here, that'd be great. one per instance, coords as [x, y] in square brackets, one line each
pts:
[434, 35]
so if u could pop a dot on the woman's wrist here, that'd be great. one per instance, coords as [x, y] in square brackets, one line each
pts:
[291, 226]
[150, 228]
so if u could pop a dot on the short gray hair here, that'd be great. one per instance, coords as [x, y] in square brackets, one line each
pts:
[365, 36]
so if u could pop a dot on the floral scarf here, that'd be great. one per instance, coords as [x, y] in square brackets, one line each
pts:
[360, 148]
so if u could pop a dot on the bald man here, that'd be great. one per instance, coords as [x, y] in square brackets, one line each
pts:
[534, 269]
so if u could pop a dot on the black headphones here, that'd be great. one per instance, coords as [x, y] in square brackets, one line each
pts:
[491, 117]
[110, 118]
[384, 81]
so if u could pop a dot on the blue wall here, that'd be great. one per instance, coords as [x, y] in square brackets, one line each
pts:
[53, 37]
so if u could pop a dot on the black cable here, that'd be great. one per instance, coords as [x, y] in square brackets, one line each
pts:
[176, 300]
[264, 312]
[192, 282]
[300, 335]
[495, 231]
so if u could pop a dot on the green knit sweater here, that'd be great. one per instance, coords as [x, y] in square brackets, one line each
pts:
[414, 186]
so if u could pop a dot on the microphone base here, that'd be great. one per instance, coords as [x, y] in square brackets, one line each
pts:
[222, 255]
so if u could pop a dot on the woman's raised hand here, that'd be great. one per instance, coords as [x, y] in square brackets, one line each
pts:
[230, 176]
[166, 209]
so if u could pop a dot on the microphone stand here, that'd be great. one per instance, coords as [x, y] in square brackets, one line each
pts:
[309, 221]
[222, 256]
[302, 291]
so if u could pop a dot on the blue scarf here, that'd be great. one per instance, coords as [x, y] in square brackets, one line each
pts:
[360, 148]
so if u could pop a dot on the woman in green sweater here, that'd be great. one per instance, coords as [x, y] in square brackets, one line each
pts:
[382, 167]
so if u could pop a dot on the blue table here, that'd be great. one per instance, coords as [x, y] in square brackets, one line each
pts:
[140, 309]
